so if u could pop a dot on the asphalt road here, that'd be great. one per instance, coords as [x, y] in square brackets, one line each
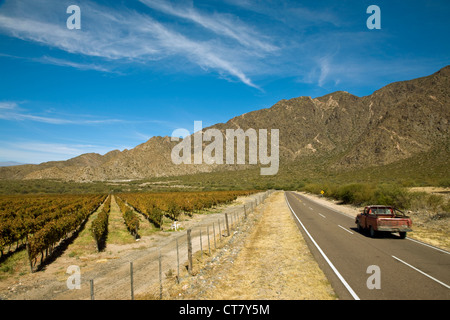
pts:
[360, 267]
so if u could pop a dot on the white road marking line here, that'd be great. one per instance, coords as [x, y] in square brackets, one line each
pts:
[427, 245]
[322, 215]
[310, 208]
[427, 275]
[352, 217]
[345, 229]
[354, 295]
[328, 207]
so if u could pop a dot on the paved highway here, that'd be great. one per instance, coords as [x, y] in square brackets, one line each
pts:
[364, 268]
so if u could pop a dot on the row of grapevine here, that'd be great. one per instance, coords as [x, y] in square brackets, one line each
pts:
[171, 204]
[99, 226]
[130, 217]
[145, 207]
[60, 227]
[42, 218]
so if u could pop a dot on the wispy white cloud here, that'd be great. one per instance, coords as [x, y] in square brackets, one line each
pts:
[76, 65]
[56, 148]
[227, 45]
[324, 71]
[221, 24]
[240, 40]
[37, 151]
[15, 111]
[10, 110]
[8, 105]
[58, 121]
[125, 36]
[294, 13]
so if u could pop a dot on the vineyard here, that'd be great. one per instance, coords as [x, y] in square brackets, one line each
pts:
[40, 223]
[154, 206]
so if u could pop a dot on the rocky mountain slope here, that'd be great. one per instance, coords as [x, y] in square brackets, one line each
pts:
[396, 122]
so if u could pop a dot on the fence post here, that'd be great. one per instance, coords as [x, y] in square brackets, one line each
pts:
[160, 276]
[189, 244]
[178, 264]
[226, 221]
[231, 221]
[214, 233]
[131, 280]
[209, 246]
[201, 247]
[245, 212]
[220, 231]
[92, 288]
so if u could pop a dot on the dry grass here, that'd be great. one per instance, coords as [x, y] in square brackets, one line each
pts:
[431, 228]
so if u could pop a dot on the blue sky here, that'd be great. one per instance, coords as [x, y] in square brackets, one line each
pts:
[141, 68]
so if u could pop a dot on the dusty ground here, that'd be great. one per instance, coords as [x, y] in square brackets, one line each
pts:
[435, 190]
[266, 259]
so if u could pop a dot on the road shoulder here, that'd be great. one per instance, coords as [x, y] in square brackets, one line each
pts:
[270, 261]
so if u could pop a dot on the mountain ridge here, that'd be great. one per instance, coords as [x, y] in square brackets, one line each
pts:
[395, 122]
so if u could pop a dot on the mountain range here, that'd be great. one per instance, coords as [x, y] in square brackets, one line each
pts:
[343, 131]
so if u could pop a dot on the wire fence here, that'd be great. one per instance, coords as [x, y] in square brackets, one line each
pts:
[180, 256]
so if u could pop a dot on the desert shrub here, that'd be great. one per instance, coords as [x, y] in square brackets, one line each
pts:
[355, 193]
[393, 195]
[313, 188]
[382, 194]
[440, 216]
[408, 183]
[424, 201]
[347, 193]
[417, 200]
[434, 201]
[445, 183]
[316, 188]
[446, 207]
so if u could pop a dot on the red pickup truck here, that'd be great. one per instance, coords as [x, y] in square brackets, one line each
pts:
[383, 219]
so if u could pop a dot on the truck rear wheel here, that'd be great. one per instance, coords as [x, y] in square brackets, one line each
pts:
[372, 232]
[358, 226]
[402, 235]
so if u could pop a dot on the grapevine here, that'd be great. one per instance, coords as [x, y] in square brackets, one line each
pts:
[130, 218]
[99, 227]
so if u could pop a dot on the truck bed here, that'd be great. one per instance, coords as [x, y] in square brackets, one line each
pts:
[393, 224]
